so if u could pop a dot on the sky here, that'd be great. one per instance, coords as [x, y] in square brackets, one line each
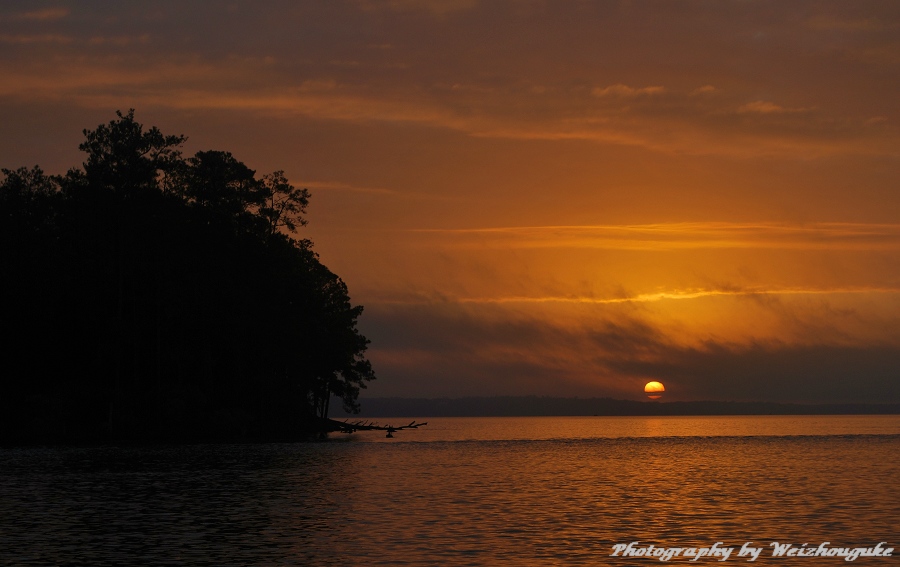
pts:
[536, 197]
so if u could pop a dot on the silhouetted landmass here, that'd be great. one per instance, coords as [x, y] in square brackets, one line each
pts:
[148, 296]
[511, 406]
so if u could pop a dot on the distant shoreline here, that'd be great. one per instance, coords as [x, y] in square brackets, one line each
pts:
[534, 406]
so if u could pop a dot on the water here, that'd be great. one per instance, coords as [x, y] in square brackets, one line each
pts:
[463, 491]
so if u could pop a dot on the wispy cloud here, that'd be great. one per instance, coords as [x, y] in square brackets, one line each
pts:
[832, 23]
[679, 295]
[491, 349]
[766, 107]
[120, 40]
[24, 39]
[652, 117]
[625, 101]
[674, 236]
[705, 89]
[45, 14]
[673, 295]
[625, 91]
[435, 7]
[340, 186]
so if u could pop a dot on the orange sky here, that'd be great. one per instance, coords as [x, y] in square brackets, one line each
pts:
[536, 197]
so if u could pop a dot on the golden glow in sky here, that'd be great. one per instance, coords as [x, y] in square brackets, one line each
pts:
[530, 197]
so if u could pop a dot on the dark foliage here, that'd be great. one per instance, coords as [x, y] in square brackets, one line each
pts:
[148, 296]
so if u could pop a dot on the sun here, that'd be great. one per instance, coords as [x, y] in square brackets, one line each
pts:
[654, 390]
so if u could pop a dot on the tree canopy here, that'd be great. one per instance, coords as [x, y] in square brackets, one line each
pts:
[152, 296]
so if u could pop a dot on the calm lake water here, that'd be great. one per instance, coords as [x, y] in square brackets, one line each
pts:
[464, 491]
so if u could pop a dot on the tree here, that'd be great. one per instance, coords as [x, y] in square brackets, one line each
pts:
[124, 158]
[30, 260]
[174, 299]
[26, 197]
[342, 369]
[220, 183]
[283, 205]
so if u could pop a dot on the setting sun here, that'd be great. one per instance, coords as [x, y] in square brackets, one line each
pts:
[654, 390]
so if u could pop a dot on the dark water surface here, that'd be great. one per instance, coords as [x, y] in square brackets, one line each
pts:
[463, 491]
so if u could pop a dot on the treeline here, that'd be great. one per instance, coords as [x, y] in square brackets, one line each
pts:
[152, 296]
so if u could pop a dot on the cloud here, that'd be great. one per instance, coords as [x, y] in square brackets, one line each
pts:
[45, 14]
[885, 56]
[434, 7]
[340, 186]
[705, 89]
[682, 236]
[764, 107]
[448, 349]
[651, 117]
[732, 279]
[25, 39]
[824, 22]
[625, 91]
[454, 350]
[439, 7]
[553, 89]
[119, 41]
[676, 295]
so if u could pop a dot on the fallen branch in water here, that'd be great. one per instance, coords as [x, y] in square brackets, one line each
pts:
[351, 427]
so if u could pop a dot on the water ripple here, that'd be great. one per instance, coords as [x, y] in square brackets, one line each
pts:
[519, 502]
